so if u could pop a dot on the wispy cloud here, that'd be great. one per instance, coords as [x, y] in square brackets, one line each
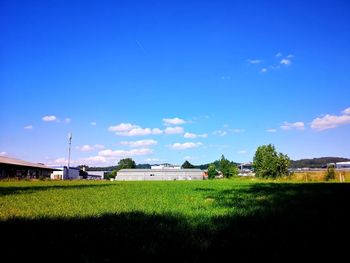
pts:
[67, 120]
[173, 121]
[254, 61]
[93, 123]
[186, 145]
[28, 127]
[152, 160]
[90, 148]
[140, 143]
[279, 54]
[188, 158]
[174, 130]
[292, 126]
[285, 61]
[220, 133]
[271, 130]
[331, 121]
[237, 130]
[263, 70]
[49, 118]
[190, 135]
[128, 129]
[3, 153]
[242, 152]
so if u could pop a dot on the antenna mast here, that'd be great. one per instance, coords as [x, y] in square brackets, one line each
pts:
[69, 147]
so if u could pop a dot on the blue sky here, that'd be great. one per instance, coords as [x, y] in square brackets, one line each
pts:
[165, 81]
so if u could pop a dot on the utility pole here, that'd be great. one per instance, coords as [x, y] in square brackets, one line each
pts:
[69, 146]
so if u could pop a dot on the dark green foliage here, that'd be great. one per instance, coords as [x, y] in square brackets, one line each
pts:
[187, 165]
[126, 163]
[268, 163]
[110, 175]
[212, 171]
[330, 174]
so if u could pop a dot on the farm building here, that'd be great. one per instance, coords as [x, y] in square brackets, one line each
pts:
[68, 174]
[159, 174]
[15, 168]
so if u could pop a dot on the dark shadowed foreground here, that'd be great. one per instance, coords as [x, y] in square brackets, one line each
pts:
[285, 222]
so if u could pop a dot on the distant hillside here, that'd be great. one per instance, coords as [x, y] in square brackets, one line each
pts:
[316, 162]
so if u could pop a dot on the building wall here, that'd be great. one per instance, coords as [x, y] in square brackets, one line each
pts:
[163, 174]
[72, 174]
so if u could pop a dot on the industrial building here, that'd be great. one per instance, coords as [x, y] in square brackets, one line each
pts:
[62, 172]
[159, 174]
[15, 168]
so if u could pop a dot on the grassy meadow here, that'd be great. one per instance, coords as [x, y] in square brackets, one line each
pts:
[186, 221]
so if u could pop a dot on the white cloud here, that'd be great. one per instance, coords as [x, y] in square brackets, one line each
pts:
[220, 133]
[85, 148]
[263, 70]
[271, 130]
[254, 61]
[242, 152]
[140, 132]
[93, 123]
[89, 148]
[123, 127]
[67, 120]
[189, 135]
[290, 56]
[292, 125]
[49, 118]
[141, 143]
[174, 130]
[128, 129]
[28, 127]
[3, 153]
[279, 54]
[186, 145]
[173, 121]
[285, 61]
[346, 111]
[125, 153]
[331, 121]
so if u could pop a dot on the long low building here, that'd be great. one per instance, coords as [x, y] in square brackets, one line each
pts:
[159, 174]
[15, 168]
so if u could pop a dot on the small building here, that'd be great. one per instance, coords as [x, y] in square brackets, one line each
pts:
[342, 165]
[159, 174]
[15, 168]
[72, 173]
[95, 175]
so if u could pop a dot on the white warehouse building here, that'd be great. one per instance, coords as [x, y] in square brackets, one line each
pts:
[159, 174]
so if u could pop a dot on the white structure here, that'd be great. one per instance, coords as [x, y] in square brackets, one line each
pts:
[64, 173]
[159, 174]
[165, 166]
[95, 175]
[342, 165]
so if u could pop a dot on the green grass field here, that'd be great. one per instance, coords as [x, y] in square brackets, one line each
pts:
[186, 221]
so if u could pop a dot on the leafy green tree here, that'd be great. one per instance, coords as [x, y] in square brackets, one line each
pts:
[225, 166]
[212, 171]
[233, 170]
[126, 163]
[330, 174]
[187, 165]
[110, 175]
[268, 163]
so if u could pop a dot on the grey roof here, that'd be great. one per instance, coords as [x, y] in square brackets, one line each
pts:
[13, 161]
[161, 170]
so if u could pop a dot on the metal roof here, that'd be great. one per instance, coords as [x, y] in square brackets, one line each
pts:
[13, 161]
[161, 170]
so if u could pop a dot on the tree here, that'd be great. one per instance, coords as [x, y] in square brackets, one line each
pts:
[268, 163]
[330, 174]
[225, 166]
[187, 165]
[126, 163]
[212, 171]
